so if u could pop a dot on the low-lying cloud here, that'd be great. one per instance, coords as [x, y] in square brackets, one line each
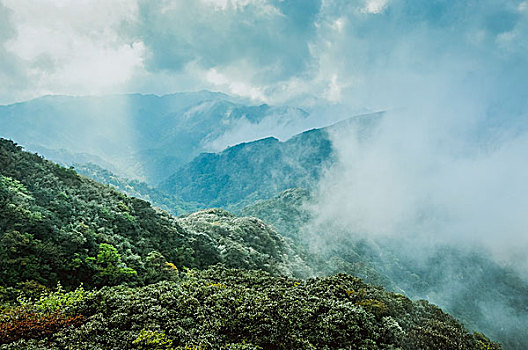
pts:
[448, 162]
[411, 181]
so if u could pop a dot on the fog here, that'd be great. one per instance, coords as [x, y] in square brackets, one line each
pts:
[436, 182]
[447, 164]
[439, 172]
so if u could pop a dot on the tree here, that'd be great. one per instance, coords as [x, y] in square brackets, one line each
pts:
[158, 269]
[110, 269]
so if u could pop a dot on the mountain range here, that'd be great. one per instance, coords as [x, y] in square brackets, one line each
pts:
[191, 151]
[260, 169]
[143, 137]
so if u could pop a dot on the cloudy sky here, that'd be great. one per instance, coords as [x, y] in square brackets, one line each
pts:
[363, 52]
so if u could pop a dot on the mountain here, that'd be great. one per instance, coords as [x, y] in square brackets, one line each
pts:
[143, 137]
[57, 225]
[229, 177]
[466, 282]
[60, 228]
[257, 170]
[134, 188]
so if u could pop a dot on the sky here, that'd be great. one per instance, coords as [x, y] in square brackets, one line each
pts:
[364, 53]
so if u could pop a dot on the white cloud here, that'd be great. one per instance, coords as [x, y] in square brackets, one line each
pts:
[269, 50]
[264, 6]
[375, 6]
[339, 24]
[74, 47]
[333, 93]
[234, 87]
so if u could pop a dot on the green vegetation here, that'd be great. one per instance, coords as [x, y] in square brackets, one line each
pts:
[56, 226]
[110, 269]
[135, 188]
[221, 308]
[139, 266]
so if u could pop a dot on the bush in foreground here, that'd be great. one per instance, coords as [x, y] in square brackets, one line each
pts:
[223, 308]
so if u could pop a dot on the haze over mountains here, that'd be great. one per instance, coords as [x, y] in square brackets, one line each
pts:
[143, 137]
[227, 179]
[159, 140]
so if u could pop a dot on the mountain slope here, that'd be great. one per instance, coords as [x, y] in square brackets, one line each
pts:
[257, 170]
[56, 225]
[285, 211]
[134, 188]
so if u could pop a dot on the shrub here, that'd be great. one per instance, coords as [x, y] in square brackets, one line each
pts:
[58, 300]
[28, 325]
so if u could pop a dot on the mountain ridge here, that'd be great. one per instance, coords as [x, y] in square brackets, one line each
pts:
[227, 178]
[142, 136]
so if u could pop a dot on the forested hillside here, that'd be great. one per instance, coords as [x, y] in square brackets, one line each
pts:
[134, 188]
[286, 211]
[59, 226]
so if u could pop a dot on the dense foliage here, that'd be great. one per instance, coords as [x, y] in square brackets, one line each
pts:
[134, 188]
[56, 225]
[229, 178]
[221, 308]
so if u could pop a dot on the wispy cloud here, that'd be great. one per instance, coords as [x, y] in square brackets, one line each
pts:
[446, 164]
